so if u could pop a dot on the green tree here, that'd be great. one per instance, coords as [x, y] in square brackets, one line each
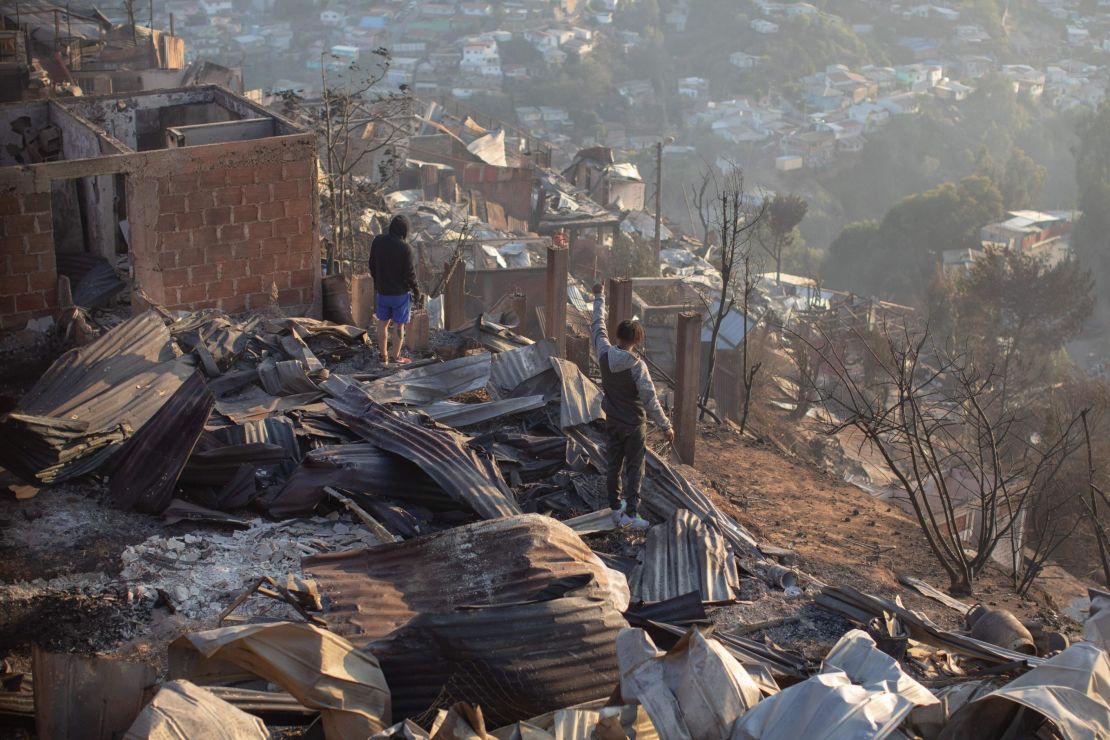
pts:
[1022, 181]
[779, 231]
[1015, 311]
[906, 249]
[853, 246]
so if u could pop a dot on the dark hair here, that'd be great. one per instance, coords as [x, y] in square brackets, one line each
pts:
[399, 227]
[630, 331]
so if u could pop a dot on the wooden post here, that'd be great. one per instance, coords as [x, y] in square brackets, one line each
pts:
[417, 334]
[454, 296]
[687, 378]
[555, 308]
[620, 305]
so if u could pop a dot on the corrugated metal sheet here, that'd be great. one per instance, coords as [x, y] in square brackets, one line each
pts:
[504, 561]
[407, 602]
[276, 430]
[665, 491]
[284, 378]
[513, 661]
[93, 280]
[466, 477]
[151, 461]
[360, 468]
[683, 555]
[861, 692]
[260, 405]
[456, 414]
[510, 369]
[581, 402]
[433, 382]
[218, 466]
[1071, 690]
[91, 400]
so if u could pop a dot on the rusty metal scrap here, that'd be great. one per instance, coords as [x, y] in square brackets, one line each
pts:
[471, 614]
[91, 400]
[149, 465]
[503, 561]
[466, 477]
[682, 555]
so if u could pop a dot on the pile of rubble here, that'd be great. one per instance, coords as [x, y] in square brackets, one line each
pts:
[424, 552]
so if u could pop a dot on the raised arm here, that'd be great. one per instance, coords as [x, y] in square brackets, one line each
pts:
[597, 329]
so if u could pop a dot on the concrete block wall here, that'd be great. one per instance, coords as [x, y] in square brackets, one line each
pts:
[236, 237]
[232, 226]
[28, 278]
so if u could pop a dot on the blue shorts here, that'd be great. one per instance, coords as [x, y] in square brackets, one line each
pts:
[395, 308]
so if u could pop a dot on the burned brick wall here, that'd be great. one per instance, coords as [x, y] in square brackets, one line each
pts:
[231, 226]
[28, 283]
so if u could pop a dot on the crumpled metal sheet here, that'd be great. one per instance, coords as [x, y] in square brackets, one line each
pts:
[359, 467]
[1071, 690]
[285, 378]
[149, 465]
[584, 722]
[274, 430]
[509, 369]
[320, 669]
[861, 608]
[491, 563]
[682, 555]
[696, 690]
[257, 405]
[469, 479]
[514, 661]
[457, 414]
[94, 281]
[666, 490]
[423, 385]
[581, 402]
[182, 711]
[861, 692]
[91, 400]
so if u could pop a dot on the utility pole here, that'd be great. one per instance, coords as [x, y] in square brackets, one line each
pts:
[658, 198]
[659, 194]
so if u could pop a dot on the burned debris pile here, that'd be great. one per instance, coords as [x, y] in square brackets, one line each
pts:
[427, 552]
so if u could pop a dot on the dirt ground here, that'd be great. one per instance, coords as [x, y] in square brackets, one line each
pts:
[840, 534]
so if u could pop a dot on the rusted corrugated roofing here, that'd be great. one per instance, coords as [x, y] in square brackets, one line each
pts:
[513, 661]
[466, 477]
[457, 414]
[276, 430]
[151, 461]
[284, 378]
[359, 468]
[91, 400]
[509, 369]
[581, 402]
[503, 561]
[407, 602]
[433, 382]
[683, 555]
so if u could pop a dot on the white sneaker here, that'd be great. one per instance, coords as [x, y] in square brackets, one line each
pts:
[636, 522]
[616, 514]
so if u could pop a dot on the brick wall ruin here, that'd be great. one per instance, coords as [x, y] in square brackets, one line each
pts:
[28, 284]
[231, 225]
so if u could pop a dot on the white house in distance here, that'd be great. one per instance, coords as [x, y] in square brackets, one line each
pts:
[480, 56]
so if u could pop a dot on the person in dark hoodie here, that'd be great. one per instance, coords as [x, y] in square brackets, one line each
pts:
[630, 398]
[394, 273]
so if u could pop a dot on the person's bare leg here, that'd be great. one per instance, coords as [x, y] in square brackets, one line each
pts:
[401, 345]
[383, 339]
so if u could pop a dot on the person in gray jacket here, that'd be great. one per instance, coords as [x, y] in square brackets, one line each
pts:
[630, 398]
